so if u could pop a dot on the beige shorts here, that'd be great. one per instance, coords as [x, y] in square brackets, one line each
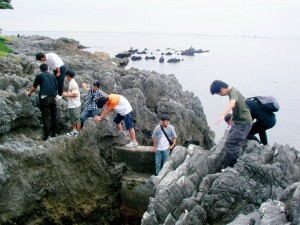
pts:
[74, 114]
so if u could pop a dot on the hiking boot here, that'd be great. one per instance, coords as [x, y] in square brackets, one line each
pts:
[132, 144]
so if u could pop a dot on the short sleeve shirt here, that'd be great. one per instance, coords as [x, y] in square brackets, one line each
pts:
[240, 113]
[119, 104]
[53, 61]
[162, 142]
[73, 88]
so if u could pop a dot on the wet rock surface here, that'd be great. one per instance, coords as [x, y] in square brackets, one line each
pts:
[68, 180]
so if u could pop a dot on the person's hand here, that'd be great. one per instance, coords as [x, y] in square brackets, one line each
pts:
[97, 118]
[64, 94]
[83, 85]
[154, 149]
[171, 147]
[220, 119]
[57, 74]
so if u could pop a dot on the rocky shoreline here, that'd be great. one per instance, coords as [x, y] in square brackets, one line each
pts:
[75, 181]
[68, 180]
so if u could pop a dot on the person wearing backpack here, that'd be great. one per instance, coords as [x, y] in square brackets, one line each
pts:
[164, 140]
[264, 120]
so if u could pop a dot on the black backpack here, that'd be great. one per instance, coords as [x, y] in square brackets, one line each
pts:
[268, 103]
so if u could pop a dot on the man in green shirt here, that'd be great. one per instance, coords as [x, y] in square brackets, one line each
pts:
[241, 117]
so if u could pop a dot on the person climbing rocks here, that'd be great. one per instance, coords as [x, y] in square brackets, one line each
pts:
[48, 91]
[241, 117]
[56, 64]
[73, 96]
[122, 107]
[163, 134]
[90, 106]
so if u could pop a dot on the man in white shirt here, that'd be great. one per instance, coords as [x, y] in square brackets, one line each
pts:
[56, 64]
[73, 96]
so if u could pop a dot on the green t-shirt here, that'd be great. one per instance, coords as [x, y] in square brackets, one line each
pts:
[241, 112]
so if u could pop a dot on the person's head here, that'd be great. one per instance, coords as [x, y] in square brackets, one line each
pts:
[96, 85]
[44, 67]
[228, 119]
[219, 87]
[40, 57]
[102, 101]
[165, 120]
[70, 74]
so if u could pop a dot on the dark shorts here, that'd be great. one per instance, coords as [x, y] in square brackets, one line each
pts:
[127, 119]
[74, 114]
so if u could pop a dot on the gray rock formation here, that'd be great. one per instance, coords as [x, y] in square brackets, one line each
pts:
[75, 181]
[189, 189]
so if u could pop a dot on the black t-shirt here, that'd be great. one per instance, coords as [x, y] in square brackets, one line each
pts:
[47, 83]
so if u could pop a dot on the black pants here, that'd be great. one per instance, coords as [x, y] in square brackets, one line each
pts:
[49, 111]
[260, 129]
[61, 79]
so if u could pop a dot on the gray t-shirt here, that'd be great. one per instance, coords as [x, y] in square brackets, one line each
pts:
[159, 136]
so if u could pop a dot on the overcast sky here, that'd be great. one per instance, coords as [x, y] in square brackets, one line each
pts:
[279, 18]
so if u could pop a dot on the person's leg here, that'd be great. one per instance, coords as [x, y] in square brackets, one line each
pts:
[158, 161]
[165, 155]
[53, 113]
[94, 112]
[236, 136]
[117, 120]
[84, 115]
[256, 128]
[61, 80]
[129, 126]
[45, 111]
[263, 137]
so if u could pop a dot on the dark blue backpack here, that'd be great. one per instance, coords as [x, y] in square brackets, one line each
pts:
[268, 103]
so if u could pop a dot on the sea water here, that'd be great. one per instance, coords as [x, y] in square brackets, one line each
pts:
[254, 65]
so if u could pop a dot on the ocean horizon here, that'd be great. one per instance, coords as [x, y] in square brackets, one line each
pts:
[254, 65]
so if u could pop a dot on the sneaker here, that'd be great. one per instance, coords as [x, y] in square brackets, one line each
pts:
[71, 133]
[58, 96]
[132, 144]
[75, 134]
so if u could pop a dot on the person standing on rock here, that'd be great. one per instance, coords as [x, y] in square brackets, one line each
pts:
[122, 107]
[241, 117]
[162, 135]
[264, 120]
[90, 106]
[48, 91]
[56, 64]
[73, 96]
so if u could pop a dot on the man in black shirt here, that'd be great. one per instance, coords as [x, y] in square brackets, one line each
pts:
[48, 92]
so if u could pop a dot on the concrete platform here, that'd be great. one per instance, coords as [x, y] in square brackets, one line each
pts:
[141, 159]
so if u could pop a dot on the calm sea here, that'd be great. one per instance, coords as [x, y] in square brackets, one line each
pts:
[254, 65]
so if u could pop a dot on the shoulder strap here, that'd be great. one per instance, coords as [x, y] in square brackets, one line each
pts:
[161, 127]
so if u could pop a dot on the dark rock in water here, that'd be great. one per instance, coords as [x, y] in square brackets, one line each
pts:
[148, 57]
[142, 53]
[132, 51]
[136, 58]
[191, 51]
[169, 53]
[145, 49]
[123, 55]
[174, 60]
[158, 50]
[161, 59]
[162, 53]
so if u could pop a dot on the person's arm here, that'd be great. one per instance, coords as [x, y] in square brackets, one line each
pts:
[73, 93]
[57, 71]
[28, 93]
[174, 143]
[229, 107]
[84, 86]
[105, 112]
[154, 144]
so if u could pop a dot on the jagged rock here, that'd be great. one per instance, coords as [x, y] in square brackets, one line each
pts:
[161, 59]
[67, 179]
[169, 53]
[102, 56]
[132, 51]
[189, 181]
[142, 53]
[191, 51]
[121, 62]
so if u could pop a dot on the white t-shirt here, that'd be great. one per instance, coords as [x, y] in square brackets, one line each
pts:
[123, 107]
[73, 88]
[163, 143]
[53, 61]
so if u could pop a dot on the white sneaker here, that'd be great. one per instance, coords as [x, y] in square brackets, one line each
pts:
[75, 134]
[58, 97]
[71, 133]
[132, 144]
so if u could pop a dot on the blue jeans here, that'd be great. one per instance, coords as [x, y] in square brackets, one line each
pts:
[160, 159]
[88, 113]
